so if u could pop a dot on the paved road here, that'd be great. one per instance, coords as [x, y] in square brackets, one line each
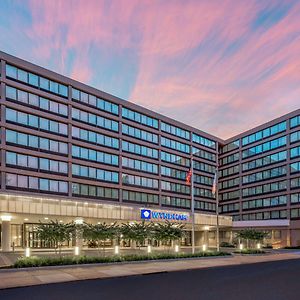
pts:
[271, 280]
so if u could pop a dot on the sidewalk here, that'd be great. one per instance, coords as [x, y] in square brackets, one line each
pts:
[34, 276]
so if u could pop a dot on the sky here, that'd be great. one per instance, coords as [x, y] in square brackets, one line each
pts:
[220, 66]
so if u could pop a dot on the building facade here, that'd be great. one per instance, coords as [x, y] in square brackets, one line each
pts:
[259, 179]
[71, 151]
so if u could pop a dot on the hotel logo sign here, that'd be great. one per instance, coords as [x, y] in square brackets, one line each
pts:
[148, 214]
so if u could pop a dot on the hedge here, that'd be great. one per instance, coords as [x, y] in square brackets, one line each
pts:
[34, 261]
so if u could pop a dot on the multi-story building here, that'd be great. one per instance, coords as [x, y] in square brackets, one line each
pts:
[259, 179]
[70, 151]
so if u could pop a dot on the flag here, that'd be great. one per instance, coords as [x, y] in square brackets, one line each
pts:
[214, 186]
[189, 177]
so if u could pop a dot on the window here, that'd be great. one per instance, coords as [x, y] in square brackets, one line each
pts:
[204, 154]
[231, 146]
[32, 141]
[280, 127]
[36, 81]
[139, 197]
[36, 163]
[265, 161]
[139, 165]
[95, 173]
[145, 182]
[266, 188]
[139, 118]
[175, 145]
[204, 141]
[94, 101]
[174, 159]
[140, 134]
[94, 137]
[24, 119]
[265, 147]
[175, 187]
[14, 181]
[92, 191]
[175, 130]
[94, 120]
[93, 155]
[175, 202]
[138, 149]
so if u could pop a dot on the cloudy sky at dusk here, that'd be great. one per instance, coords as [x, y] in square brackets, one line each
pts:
[221, 66]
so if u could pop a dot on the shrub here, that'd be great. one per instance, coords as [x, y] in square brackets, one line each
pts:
[250, 251]
[25, 262]
[227, 245]
[292, 247]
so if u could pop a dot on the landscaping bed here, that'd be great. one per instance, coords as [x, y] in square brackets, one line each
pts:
[250, 251]
[26, 262]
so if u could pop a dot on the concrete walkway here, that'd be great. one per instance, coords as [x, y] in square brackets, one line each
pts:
[34, 276]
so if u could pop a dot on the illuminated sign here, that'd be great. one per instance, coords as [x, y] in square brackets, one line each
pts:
[148, 214]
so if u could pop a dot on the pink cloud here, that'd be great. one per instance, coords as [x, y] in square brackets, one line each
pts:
[183, 68]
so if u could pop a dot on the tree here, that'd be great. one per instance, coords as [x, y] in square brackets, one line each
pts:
[137, 232]
[56, 233]
[100, 233]
[168, 232]
[251, 235]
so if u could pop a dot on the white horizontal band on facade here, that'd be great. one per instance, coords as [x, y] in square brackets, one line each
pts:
[261, 223]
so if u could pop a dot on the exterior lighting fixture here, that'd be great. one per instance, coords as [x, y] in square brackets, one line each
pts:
[148, 249]
[46, 218]
[117, 249]
[176, 248]
[206, 228]
[26, 219]
[6, 218]
[258, 246]
[27, 252]
[60, 221]
[78, 221]
[76, 251]
[241, 246]
[204, 247]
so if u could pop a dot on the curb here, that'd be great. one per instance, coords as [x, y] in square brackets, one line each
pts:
[109, 264]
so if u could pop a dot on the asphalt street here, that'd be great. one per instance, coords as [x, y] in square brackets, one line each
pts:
[271, 280]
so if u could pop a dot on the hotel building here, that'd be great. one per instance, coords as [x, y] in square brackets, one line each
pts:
[70, 151]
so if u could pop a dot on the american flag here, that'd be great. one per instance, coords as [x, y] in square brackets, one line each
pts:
[214, 186]
[189, 177]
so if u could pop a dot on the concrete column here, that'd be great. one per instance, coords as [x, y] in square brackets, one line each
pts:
[79, 238]
[6, 236]
[288, 237]
[206, 240]
[231, 237]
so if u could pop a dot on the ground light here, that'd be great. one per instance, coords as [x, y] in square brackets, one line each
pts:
[241, 246]
[117, 249]
[176, 248]
[76, 251]
[204, 247]
[27, 252]
[149, 249]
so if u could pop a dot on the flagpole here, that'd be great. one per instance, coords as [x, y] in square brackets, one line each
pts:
[193, 206]
[217, 199]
